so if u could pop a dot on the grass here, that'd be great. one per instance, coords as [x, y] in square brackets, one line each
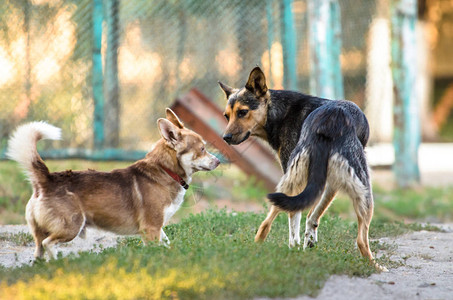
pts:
[426, 204]
[229, 184]
[19, 239]
[212, 255]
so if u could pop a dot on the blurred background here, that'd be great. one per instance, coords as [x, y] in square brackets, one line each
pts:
[104, 70]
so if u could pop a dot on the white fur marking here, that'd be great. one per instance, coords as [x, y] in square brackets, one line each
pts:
[22, 143]
[294, 229]
[170, 210]
[295, 179]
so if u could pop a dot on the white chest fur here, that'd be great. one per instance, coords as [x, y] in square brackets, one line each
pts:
[170, 210]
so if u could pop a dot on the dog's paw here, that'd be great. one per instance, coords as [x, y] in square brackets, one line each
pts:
[310, 240]
[380, 268]
[294, 244]
[309, 244]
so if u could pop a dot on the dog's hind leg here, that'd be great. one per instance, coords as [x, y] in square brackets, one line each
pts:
[364, 210]
[362, 199]
[363, 206]
[48, 244]
[315, 214]
[294, 228]
[38, 235]
[265, 227]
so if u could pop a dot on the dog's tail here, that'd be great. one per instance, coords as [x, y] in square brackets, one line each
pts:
[316, 180]
[22, 148]
[327, 126]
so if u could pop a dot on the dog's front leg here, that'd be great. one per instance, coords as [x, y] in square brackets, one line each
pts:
[265, 226]
[152, 234]
[164, 239]
[294, 228]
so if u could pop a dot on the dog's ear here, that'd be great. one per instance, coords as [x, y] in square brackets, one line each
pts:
[169, 132]
[227, 89]
[257, 82]
[172, 117]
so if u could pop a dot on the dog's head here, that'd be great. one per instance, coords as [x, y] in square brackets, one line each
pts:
[189, 146]
[246, 109]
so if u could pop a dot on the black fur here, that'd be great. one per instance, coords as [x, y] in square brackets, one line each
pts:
[318, 141]
[286, 113]
[334, 127]
[297, 122]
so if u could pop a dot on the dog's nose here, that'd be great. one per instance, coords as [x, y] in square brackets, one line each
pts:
[216, 162]
[228, 137]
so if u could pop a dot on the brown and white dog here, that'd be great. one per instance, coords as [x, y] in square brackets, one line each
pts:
[138, 199]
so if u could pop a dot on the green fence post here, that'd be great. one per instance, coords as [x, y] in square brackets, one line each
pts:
[289, 47]
[270, 37]
[406, 137]
[97, 76]
[111, 85]
[335, 25]
[324, 22]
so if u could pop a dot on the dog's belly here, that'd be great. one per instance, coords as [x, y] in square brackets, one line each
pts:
[124, 224]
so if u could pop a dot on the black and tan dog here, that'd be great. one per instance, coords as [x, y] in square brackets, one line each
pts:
[320, 144]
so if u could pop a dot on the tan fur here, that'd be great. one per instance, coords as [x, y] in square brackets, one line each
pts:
[340, 177]
[256, 98]
[132, 200]
[252, 123]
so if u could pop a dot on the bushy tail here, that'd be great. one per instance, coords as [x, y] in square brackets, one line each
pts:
[327, 125]
[316, 180]
[22, 147]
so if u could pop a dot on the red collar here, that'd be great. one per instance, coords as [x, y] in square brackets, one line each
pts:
[176, 177]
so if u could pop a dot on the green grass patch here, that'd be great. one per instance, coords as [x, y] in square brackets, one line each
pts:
[427, 204]
[19, 239]
[229, 184]
[212, 255]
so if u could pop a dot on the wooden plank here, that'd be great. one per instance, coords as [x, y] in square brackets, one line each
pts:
[204, 117]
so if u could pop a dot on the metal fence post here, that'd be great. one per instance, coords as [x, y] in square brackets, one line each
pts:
[97, 76]
[325, 47]
[406, 138]
[289, 47]
[270, 38]
[111, 85]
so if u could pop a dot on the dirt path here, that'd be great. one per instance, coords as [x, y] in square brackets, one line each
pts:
[12, 255]
[427, 272]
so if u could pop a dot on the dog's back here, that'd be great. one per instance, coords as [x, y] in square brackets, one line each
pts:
[337, 130]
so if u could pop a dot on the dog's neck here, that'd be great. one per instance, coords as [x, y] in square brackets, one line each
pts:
[286, 112]
[165, 157]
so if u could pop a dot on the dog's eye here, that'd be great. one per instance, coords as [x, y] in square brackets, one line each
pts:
[227, 117]
[203, 149]
[242, 113]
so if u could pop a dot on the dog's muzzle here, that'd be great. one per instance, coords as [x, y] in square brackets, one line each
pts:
[228, 137]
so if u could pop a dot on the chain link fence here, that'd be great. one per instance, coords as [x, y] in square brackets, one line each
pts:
[152, 51]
